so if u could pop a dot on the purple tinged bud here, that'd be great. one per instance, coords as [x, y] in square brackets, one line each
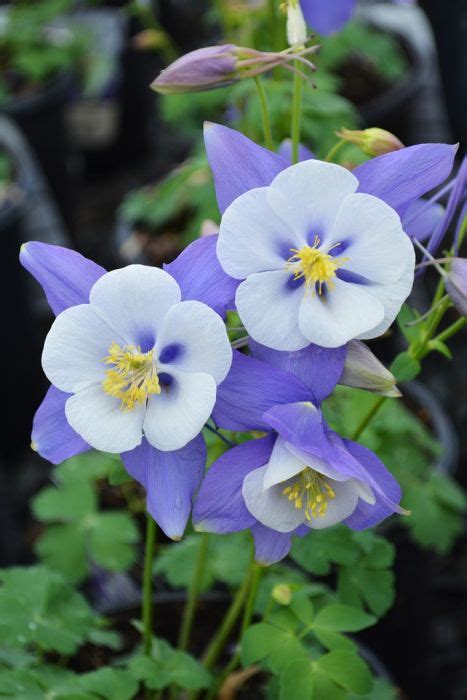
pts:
[363, 370]
[373, 142]
[218, 66]
[456, 284]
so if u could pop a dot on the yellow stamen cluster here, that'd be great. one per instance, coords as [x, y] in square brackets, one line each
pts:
[316, 267]
[312, 492]
[133, 376]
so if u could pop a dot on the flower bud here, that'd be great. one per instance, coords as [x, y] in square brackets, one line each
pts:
[218, 66]
[296, 26]
[363, 370]
[373, 142]
[282, 594]
[456, 284]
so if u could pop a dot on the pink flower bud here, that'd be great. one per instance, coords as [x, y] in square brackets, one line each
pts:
[373, 142]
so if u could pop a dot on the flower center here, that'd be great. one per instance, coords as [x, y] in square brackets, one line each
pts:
[314, 265]
[133, 376]
[312, 491]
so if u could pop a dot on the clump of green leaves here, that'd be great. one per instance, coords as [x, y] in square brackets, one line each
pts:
[76, 532]
[31, 52]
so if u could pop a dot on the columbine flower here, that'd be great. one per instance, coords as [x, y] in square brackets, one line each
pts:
[328, 16]
[301, 476]
[134, 357]
[217, 66]
[320, 263]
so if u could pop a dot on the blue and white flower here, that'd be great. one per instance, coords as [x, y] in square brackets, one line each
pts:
[134, 357]
[320, 263]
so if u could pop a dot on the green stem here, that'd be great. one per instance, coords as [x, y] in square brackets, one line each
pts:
[296, 113]
[369, 417]
[147, 584]
[193, 592]
[254, 577]
[264, 113]
[451, 330]
[275, 24]
[334, 150]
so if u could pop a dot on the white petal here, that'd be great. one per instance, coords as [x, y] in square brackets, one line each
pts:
[101, 421]
[307, 196]
[364, 491]
[198, 338]
[252, 238]
[343, 313]
[75, 347]
[377, 244]
[392, 297]
[269, 310]
[338, 508]
[282, 465]
[135, 301]
[270, 507]
[178, 414]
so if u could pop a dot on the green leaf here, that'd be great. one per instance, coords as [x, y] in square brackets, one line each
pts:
[297, 681]
[111, 540]
[118, 475]
[63, 548]
[347, 670]
[343, 618]
[405, 367]
[302, 606]
[373, 587]
[407, 316]
[167, 666]
[110, 683]
[276, 647]
[317, 553]
[68, 501]
[440, 347]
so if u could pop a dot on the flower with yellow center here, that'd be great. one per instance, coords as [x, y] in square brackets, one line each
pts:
[310, 492]
[314, 265]
[133, 376]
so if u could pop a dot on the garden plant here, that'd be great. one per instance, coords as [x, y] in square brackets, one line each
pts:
[225, 427]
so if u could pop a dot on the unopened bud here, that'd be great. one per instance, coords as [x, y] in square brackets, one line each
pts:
[456, 284]
[373, 142]
[282, 594]
[218, 66]
[296, 26]
[363, 370]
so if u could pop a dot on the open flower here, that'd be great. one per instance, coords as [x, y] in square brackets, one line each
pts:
[329, 16]
[321, 263]
[301, 476]
[134, 357]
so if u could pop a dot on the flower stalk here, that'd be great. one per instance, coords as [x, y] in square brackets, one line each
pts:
[147, 607]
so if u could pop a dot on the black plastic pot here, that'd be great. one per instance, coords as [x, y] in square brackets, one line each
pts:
[41, 118]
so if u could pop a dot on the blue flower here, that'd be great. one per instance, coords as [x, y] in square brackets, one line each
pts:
[134, 357]
[302, 475]
[329, 16]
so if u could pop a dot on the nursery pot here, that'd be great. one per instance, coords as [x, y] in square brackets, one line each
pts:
[41, 118]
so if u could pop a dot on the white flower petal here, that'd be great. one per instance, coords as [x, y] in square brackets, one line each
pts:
[101, 421]
[196, 338]
[282, 465]
[75, 347]
[270, 507]
[269, 310]
[343, 313]
[135, 301]
[179, 412]
[377, 243]
[391, 296]
[364, 491]
[340, 507]
[307, 196]
[252, 238]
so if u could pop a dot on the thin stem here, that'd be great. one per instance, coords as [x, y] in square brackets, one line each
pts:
[335, 150]
[275, 24]
[254, 577]
[147, 607]
[451, 330]
[219, 435]
[296, 114]
[264, 113]
[369, 417]
[193, 593]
